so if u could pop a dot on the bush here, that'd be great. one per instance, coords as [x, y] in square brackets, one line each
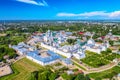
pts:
[5, 50]
[108, 50]
[65, 76]
[53, 76]
[71, 41]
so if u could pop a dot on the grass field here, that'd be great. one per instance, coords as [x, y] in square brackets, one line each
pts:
[96, 60]
[106, 74]
[22, 70]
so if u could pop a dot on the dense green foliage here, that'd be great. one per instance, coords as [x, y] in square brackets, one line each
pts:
[71, 41]
[13, 36]
[99, 29]
[43, 75]
[111, 42]
[5, 50]
[65, 76]
[82, 77]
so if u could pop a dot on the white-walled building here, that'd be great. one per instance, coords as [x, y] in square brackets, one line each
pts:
[51, 40]
[22, 48]
[46, 58]
[96, 47]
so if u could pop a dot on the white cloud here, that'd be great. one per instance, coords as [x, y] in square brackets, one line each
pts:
[115, 14]
[42, 3]
[86, 14]
[95, 13]
[67, 14]
[105, 14]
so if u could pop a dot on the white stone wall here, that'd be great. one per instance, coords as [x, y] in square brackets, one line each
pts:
[93, 50]
[40, 62]
[76, 56]
[20, 53]
[68, 55]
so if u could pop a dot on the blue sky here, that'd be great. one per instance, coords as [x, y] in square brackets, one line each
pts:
[59, 9]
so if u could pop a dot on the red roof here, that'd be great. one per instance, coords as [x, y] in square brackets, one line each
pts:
[102, 37]
[81, 33]
[37, 33]
[79, 71]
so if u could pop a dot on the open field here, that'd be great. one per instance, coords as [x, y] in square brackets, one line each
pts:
[22, 70]
[106, 74]
[2, 34]
[5, 70]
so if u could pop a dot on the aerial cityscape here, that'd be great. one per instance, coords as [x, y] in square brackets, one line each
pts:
[59, 40]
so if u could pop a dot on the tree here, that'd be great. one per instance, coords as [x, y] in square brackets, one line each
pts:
[34, 75]
[104, 52]
[119, 49]
[98, 78]
[42, 76]
[65, 76]
[108, 50]
[53, 76]
[80, 77]
[87, 77]
[5, 50]
[111, 43]
[37, 46]
[71, 41]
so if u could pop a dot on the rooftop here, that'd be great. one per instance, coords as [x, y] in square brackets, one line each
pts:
[52, 56]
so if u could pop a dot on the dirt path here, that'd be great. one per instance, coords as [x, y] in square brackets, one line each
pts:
[100, 69]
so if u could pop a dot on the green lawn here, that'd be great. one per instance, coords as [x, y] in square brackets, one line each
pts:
[79, 66]
[96, 60]
[22, 70]
[106, 74]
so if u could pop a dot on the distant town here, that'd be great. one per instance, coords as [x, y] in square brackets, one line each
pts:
[60, 50]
